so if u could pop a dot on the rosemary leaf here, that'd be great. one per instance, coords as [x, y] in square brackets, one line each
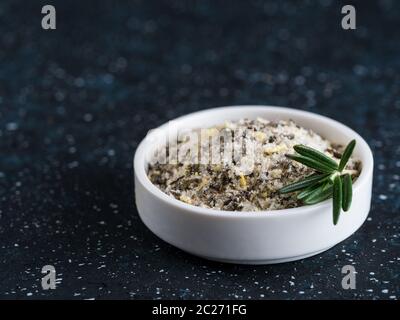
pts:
[311, 163]
[347, 192]
[337, 199]
[304, 183]
[316, 155]
[346, 154]
[321, 194]
[308, 191]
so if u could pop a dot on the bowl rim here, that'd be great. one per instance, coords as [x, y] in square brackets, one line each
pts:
[139, 163]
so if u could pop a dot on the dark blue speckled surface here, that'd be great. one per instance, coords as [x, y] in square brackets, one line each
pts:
[75, 102]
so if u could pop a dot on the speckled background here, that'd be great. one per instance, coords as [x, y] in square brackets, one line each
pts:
[75, 102]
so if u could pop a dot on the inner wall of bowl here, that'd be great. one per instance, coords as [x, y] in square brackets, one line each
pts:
[328, 129]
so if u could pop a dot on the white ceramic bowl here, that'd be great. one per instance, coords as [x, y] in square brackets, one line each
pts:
[261, 237]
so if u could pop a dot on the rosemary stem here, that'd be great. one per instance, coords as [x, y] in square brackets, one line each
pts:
[349, 171]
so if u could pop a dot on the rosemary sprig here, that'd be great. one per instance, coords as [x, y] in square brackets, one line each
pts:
[329, 181]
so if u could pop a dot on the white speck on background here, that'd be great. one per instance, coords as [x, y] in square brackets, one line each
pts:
[88, 117]
[12, 126]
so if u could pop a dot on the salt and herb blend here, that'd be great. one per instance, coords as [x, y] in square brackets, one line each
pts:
[239, 166]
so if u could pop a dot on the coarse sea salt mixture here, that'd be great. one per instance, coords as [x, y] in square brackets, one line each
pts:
[238, 166]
